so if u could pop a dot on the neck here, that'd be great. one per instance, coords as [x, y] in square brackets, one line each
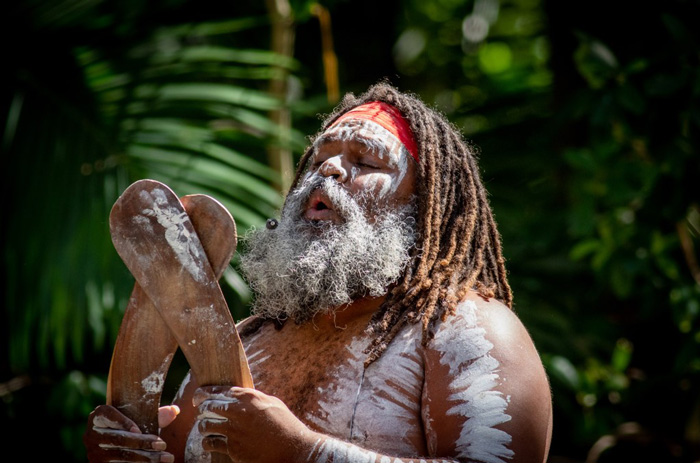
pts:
[359, 310]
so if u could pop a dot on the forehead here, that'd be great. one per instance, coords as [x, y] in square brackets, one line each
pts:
[370, 134]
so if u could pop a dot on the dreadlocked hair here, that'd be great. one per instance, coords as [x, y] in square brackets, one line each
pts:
[458, 248]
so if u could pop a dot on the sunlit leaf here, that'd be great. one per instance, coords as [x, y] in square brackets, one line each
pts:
[217, 92]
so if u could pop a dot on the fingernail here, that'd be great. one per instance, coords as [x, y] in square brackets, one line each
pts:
[135, 429]
[167, 458]
[158, 445]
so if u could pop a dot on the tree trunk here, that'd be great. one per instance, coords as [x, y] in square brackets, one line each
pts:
[282, 42]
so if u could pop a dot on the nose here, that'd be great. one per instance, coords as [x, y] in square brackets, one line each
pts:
[333, 167]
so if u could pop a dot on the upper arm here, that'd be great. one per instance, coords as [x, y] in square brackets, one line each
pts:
[486, 396]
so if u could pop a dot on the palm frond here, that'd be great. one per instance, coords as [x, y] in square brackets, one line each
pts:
[185, 106]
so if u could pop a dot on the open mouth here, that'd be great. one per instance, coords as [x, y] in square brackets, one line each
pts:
[319, 208]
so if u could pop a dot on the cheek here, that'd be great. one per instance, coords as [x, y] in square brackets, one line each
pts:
[379, 183]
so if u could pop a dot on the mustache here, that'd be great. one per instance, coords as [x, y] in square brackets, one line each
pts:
[308, 186]
[338, 198]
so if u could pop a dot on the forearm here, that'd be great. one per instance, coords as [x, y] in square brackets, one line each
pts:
[328, 449]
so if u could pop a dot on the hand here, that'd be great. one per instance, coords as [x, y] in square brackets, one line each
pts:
[111, 436]
[250, 426]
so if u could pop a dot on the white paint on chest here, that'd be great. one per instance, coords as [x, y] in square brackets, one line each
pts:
[389, 405]
[473, 395]
[334, 412]
[334, 451]
[377, 408]
[256, 358]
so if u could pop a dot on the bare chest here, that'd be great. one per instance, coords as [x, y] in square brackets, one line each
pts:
[322, 378]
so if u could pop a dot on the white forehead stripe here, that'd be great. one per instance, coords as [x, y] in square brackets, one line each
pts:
[377, 139]
[370, 133]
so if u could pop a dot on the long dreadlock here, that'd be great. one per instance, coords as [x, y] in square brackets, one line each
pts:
[458, 248]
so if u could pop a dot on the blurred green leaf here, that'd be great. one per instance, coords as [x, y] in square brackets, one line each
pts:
[561, 368]
[621, 356]
[631, 99]
[595, 61]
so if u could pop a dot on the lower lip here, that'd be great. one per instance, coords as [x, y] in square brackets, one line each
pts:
[322, 214]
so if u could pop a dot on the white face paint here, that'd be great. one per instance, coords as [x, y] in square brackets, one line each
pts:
[382, 142]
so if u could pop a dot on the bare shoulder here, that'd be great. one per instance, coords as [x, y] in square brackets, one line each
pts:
[511, 341]
[523, 378]
[485, 362]
[481, 326]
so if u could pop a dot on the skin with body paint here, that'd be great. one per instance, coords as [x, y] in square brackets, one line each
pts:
[477, 392]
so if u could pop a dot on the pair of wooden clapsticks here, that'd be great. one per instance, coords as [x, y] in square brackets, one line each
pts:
[176, 249]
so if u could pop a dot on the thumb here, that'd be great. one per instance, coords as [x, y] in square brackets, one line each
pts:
[167, 415]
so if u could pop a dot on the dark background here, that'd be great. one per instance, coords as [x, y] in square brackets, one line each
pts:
[585, 113]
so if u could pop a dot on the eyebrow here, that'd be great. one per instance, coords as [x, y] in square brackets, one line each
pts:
[371, 135]
[370, 143]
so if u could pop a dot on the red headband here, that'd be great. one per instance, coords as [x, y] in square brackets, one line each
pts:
[388, 117]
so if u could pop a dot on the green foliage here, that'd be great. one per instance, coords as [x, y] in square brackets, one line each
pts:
[586, 116]
[183, 103]
[588, 130]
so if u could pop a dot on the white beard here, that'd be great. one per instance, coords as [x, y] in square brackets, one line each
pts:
[303, 268]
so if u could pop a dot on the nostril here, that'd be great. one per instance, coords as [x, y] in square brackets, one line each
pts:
[333, 168]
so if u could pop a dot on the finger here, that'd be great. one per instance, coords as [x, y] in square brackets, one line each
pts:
[208, 392]
[217, 444]
[219, 405]
[214, 427]
[114, 438]
[167, 415]
[108, 417]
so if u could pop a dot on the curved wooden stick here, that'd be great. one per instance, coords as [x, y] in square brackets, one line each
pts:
[145, 346]
[156, 240]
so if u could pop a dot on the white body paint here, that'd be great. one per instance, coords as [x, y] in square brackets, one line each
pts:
[335, 451]
[101, 422]
[386, 407]
[465, 350]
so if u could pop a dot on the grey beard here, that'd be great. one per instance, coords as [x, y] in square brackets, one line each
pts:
[301, 269]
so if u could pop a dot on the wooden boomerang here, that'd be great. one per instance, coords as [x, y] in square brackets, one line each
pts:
[145, 346]
[156, 239]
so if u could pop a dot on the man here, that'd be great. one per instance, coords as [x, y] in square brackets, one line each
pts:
[382, 328]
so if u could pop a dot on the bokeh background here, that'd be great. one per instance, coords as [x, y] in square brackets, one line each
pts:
[586, 115]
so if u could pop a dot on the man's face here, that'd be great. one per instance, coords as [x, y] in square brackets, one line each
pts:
[368, 164]
[346, 230]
